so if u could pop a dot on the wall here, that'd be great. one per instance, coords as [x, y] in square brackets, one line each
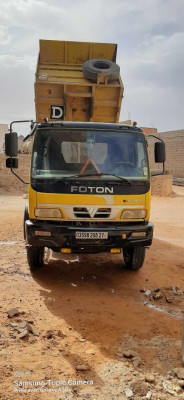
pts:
[161, 185]
[9, 184]
[149, 131]
[174, 141]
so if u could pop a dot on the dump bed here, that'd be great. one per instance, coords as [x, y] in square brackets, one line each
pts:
[60, 81]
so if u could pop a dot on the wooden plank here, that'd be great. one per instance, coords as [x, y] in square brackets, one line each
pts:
[63, 80]
[70, 67]
[92, 103]
[121, 90]
[105, 103]
[50, 100]
[78, 94]
[61, 73]
[53, 51]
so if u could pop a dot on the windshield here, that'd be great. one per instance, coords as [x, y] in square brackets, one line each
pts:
[61, 153]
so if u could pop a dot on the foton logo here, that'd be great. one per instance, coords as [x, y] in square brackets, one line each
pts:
[92, 189]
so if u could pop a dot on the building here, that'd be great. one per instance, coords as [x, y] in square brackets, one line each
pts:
[174, 142]
[149, 131]
[3, 130]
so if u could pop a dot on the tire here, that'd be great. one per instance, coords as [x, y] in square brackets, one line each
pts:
[26, 216]
[92, 68]
[35, 257]
[134, 257]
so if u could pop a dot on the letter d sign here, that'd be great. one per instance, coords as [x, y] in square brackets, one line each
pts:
[57, 112]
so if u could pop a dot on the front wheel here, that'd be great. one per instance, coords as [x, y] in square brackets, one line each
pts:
[35, 257]
[134, 257]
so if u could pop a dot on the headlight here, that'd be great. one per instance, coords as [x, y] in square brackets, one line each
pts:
[133, 214]
[48, 213]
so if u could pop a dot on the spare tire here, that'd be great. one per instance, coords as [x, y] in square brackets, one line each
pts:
[92, 68]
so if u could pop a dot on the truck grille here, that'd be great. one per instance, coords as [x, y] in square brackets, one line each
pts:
[91, 213]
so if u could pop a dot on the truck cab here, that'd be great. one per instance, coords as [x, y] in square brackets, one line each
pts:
[89, 190]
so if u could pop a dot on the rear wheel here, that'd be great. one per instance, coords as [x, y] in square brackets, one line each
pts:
[35, 257]
[134, 257]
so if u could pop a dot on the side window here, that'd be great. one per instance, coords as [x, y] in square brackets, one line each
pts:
[141, 160]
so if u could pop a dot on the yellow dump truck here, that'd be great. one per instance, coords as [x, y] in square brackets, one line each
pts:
[89, 189]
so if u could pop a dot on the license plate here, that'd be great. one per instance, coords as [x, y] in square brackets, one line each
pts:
[91, 235]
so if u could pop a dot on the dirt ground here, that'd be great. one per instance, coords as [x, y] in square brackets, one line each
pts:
[110, 338]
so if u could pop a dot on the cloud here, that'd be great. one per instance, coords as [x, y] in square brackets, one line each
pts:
[17, 83]
[150, 39]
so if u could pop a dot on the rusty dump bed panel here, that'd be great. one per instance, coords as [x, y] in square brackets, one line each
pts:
[60, 81]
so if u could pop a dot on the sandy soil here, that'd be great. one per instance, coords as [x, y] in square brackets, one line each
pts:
[96, 311]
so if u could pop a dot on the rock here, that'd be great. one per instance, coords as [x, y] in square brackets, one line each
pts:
[128, 393]
[147, 293]
[169, 388]
[173, 289]
[49, 334]
[9, 367]
[22, 325]
[149, 378]
[34, 332]
[12, 312]
[179, 372]
[61, 334]
[143, 290]
[148, 396]
[90, 351]
[181, 383]
[157, 295]
[169, 299]
[130, 354]
[178, 290]
[140, 388]
[12, 325]
[23, 334]
[25, 325]
[136, 361]
[82, 367]
[82, 340]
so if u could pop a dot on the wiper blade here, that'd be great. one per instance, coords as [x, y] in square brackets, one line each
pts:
[97, 174]
[117, 176]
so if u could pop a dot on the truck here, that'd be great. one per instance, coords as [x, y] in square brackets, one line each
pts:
[89, 188]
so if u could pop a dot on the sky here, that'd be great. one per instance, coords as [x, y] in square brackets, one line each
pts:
[150, 38]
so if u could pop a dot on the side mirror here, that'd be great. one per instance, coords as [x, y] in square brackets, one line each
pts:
[12, 162]
[160, 155]
[11, 144]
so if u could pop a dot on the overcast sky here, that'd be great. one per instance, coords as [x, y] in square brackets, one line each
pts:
[150, 38]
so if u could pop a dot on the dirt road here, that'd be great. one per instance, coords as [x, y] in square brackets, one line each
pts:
[96, 311]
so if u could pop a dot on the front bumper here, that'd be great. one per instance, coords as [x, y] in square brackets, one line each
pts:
[63, 236]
